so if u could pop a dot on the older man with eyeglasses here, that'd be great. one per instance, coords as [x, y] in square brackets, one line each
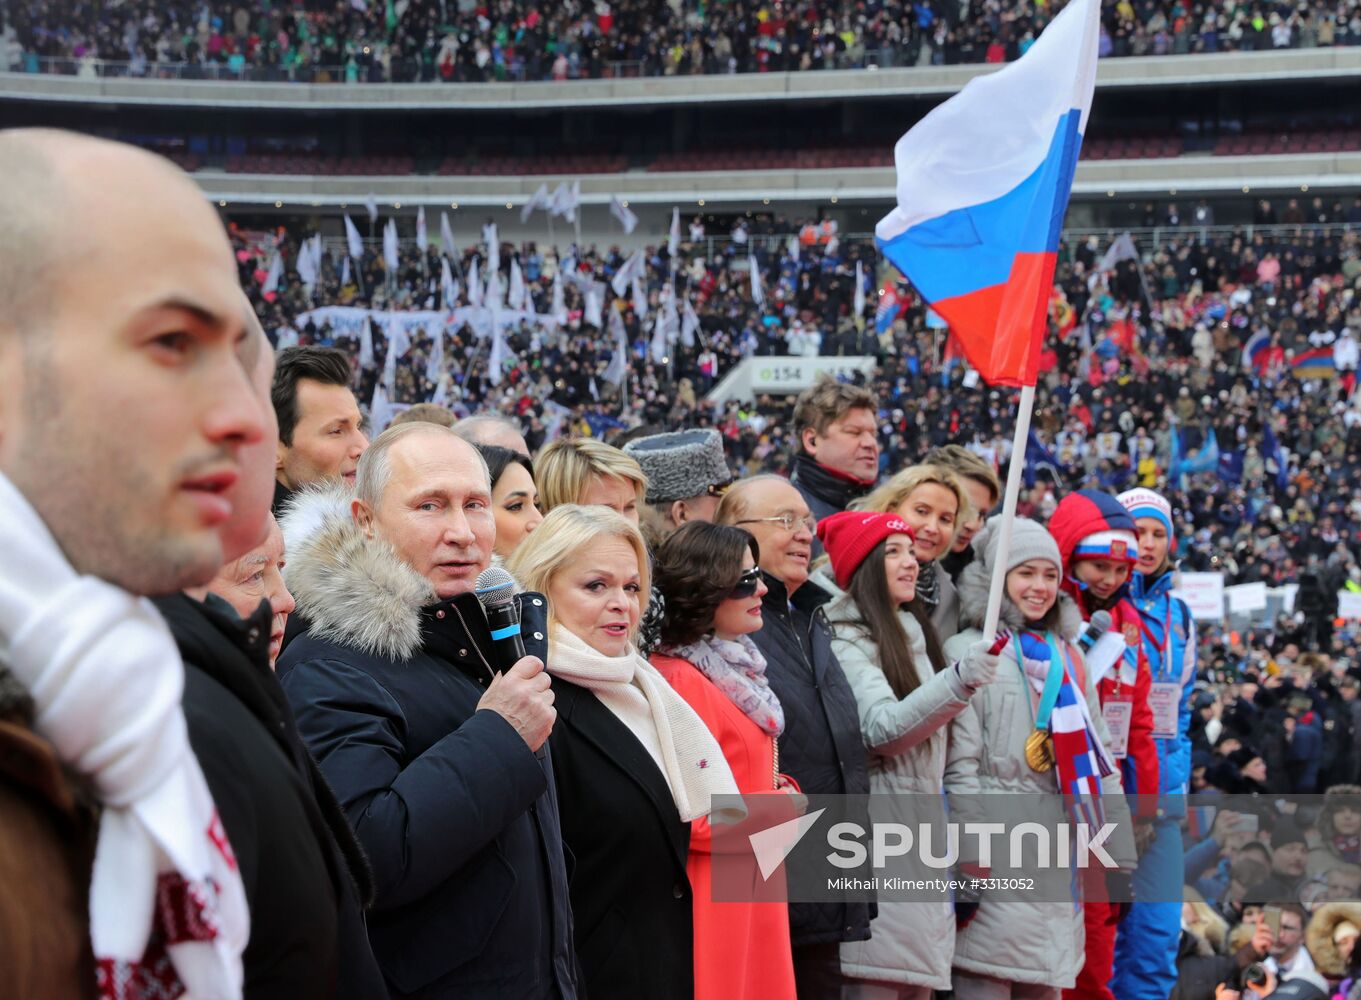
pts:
[820, 747]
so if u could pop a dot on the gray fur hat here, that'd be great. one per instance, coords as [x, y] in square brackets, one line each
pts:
[680, 464]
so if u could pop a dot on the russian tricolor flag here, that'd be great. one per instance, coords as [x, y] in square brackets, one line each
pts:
[983, 185]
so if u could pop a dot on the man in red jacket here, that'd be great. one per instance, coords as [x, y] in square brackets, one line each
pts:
[1099, 545]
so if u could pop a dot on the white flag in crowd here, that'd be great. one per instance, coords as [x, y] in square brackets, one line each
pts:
[1122, 248]
[446, 234]
[792, 248]
[447, 285]
[314, 254]
[345, 272]
[352, 238]
[399, 339]
[673, 239]
[539, 200]
[558, 309]
[565, 201]
[858, 310]
[618, 365]
[434, 364]
[475, 296]
[366, 344]
[371, 205]
[689, 324]
[626, 218]
[276, 271]
[390, 257]
[669, 316]
[306, 267]
[501, 354]
[639, 299]
[494, 294]
[493, 241]
[595, 298]
[380, 410]
[517, 295]
[658, 343]
[422, 237]
[628, 272]
[390, 370]
[758, 293]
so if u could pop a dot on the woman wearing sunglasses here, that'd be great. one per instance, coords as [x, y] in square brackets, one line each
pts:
[907, 693]
[708, 575]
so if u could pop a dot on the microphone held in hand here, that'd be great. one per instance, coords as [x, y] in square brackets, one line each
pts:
[495, 590]
[1096, 628]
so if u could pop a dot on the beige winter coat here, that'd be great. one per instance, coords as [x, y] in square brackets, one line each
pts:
[1018, 939]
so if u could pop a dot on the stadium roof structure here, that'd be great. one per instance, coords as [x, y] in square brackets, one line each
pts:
[1180, 176]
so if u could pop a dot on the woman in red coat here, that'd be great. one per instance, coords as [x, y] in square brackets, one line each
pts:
[713, 591]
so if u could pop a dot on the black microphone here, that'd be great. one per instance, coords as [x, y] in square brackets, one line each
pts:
[495, 589]
[1099, 625]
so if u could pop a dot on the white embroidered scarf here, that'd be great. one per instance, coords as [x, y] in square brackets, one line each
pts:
[167, 907]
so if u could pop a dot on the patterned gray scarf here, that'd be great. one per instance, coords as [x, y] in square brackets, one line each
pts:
[928, 587]
[738, 669]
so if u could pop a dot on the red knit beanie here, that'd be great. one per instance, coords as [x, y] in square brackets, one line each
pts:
[851, 535]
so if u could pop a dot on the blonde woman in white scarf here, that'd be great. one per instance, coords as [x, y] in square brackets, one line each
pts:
[634, 765]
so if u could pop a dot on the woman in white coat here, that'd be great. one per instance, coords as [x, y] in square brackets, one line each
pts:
[1020, 946]
[906, 694]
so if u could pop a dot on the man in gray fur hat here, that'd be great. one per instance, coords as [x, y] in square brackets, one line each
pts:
[686, 474]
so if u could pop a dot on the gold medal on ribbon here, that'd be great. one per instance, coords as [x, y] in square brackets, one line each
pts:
[1039, 751]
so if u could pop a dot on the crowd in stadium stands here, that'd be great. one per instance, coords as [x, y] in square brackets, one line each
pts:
[1254, 441]
[463, 40]
[1267, 457]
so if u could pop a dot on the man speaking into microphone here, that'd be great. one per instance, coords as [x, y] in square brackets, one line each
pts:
[429, 745]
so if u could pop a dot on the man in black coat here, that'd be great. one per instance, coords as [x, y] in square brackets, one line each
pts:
[306, 879]
[821, 747]
[431, 751]
[837, 460]
[299, 859]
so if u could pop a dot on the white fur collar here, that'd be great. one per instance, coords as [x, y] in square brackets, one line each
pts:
[352, 589]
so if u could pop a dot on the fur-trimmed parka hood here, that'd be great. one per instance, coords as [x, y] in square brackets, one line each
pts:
[973, 585]
[1318, 936]
[351, 589]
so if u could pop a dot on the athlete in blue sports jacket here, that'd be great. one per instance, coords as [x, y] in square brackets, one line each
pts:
[1146, 945]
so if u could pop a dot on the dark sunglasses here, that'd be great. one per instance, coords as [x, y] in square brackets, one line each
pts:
[746, 584]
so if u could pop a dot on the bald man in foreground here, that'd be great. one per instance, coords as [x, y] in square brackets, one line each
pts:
[133, 413]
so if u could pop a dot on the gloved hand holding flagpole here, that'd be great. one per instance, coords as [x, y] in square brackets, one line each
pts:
[983, 185]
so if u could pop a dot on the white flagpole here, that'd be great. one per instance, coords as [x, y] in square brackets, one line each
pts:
[1013, 493]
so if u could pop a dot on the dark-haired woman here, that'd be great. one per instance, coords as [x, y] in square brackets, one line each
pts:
[713, 590]
[907, 694]
[514, 497]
